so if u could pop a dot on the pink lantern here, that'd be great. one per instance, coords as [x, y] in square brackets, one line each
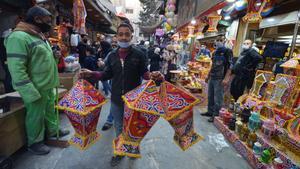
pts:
[159, 32]
[178, 105]
[82, 104]
[171, 2]
[213, 21]
[171, 7]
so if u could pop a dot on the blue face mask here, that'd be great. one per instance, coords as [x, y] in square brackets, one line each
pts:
[124, 44]
[219, 44]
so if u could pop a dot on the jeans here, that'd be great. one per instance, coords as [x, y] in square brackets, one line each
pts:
[117, 111]
[110, 118]
[215, 96]
[106, 87]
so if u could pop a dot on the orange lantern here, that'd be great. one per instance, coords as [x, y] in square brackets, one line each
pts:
[254, 11]
[213, 21]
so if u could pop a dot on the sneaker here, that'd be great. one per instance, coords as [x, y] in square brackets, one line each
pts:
[61, 133]
[115, 160]
[211, 119]
[39, 149]
[206, 114]
[106, 126]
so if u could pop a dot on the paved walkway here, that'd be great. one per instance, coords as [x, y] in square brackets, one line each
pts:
[158, 151]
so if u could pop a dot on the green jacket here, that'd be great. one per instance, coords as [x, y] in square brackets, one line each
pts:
[31, 64]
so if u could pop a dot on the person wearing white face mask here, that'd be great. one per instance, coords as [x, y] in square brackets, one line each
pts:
[244, 69]
[124, 66]
[218, 78]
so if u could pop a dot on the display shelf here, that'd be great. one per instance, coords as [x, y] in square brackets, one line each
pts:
[248, 154]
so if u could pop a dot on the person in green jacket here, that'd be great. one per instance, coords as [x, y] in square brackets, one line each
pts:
[35, 76]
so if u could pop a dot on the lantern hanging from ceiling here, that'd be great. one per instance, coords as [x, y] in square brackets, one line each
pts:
[254, 10]
[213, 20]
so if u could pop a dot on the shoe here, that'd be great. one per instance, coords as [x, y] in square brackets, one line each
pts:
[115, 160]
[39, 149]
[106, 126]
[61, 133]
[206, 114]
[211, 119]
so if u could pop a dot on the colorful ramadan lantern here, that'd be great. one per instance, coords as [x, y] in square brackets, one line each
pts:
[268, 128]
[191, 30]
[200, 29]
[82, 105]
[254, 10]
[80, 15]
[141, 111]
[266, 157]
[213, 21]
[222, 113]
[254, 121]
[257, 148]
[244, 133]
[278, 163]
[260, 81]
[226, 118]
[252, 138]
[178, 105]
[238, 126]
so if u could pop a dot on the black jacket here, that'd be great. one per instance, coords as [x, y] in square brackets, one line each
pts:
[124, 78]
[247, 63]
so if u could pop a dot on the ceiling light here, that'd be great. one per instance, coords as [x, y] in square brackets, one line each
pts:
[239, 3]
[270, 19]
[258, 4]
[230, 1]
[193, 22]
[227, 17]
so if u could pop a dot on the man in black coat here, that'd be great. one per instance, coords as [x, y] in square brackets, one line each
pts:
[244, 70]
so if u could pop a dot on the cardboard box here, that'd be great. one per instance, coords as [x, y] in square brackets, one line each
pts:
[67, 80]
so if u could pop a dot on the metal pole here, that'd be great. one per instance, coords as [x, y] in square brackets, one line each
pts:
[294, 41]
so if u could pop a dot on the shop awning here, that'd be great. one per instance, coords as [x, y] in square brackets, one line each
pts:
[279, 20]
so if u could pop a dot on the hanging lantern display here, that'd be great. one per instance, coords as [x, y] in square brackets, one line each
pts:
[178, 105]
[82, 105]
[168, 27]
[213, 21]
[171, 18]
[191, 30]
[269, 7]
[159, 32]
[142, 110]
[200, 28]
[254, 11]
[80, 15]
[171, 7]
